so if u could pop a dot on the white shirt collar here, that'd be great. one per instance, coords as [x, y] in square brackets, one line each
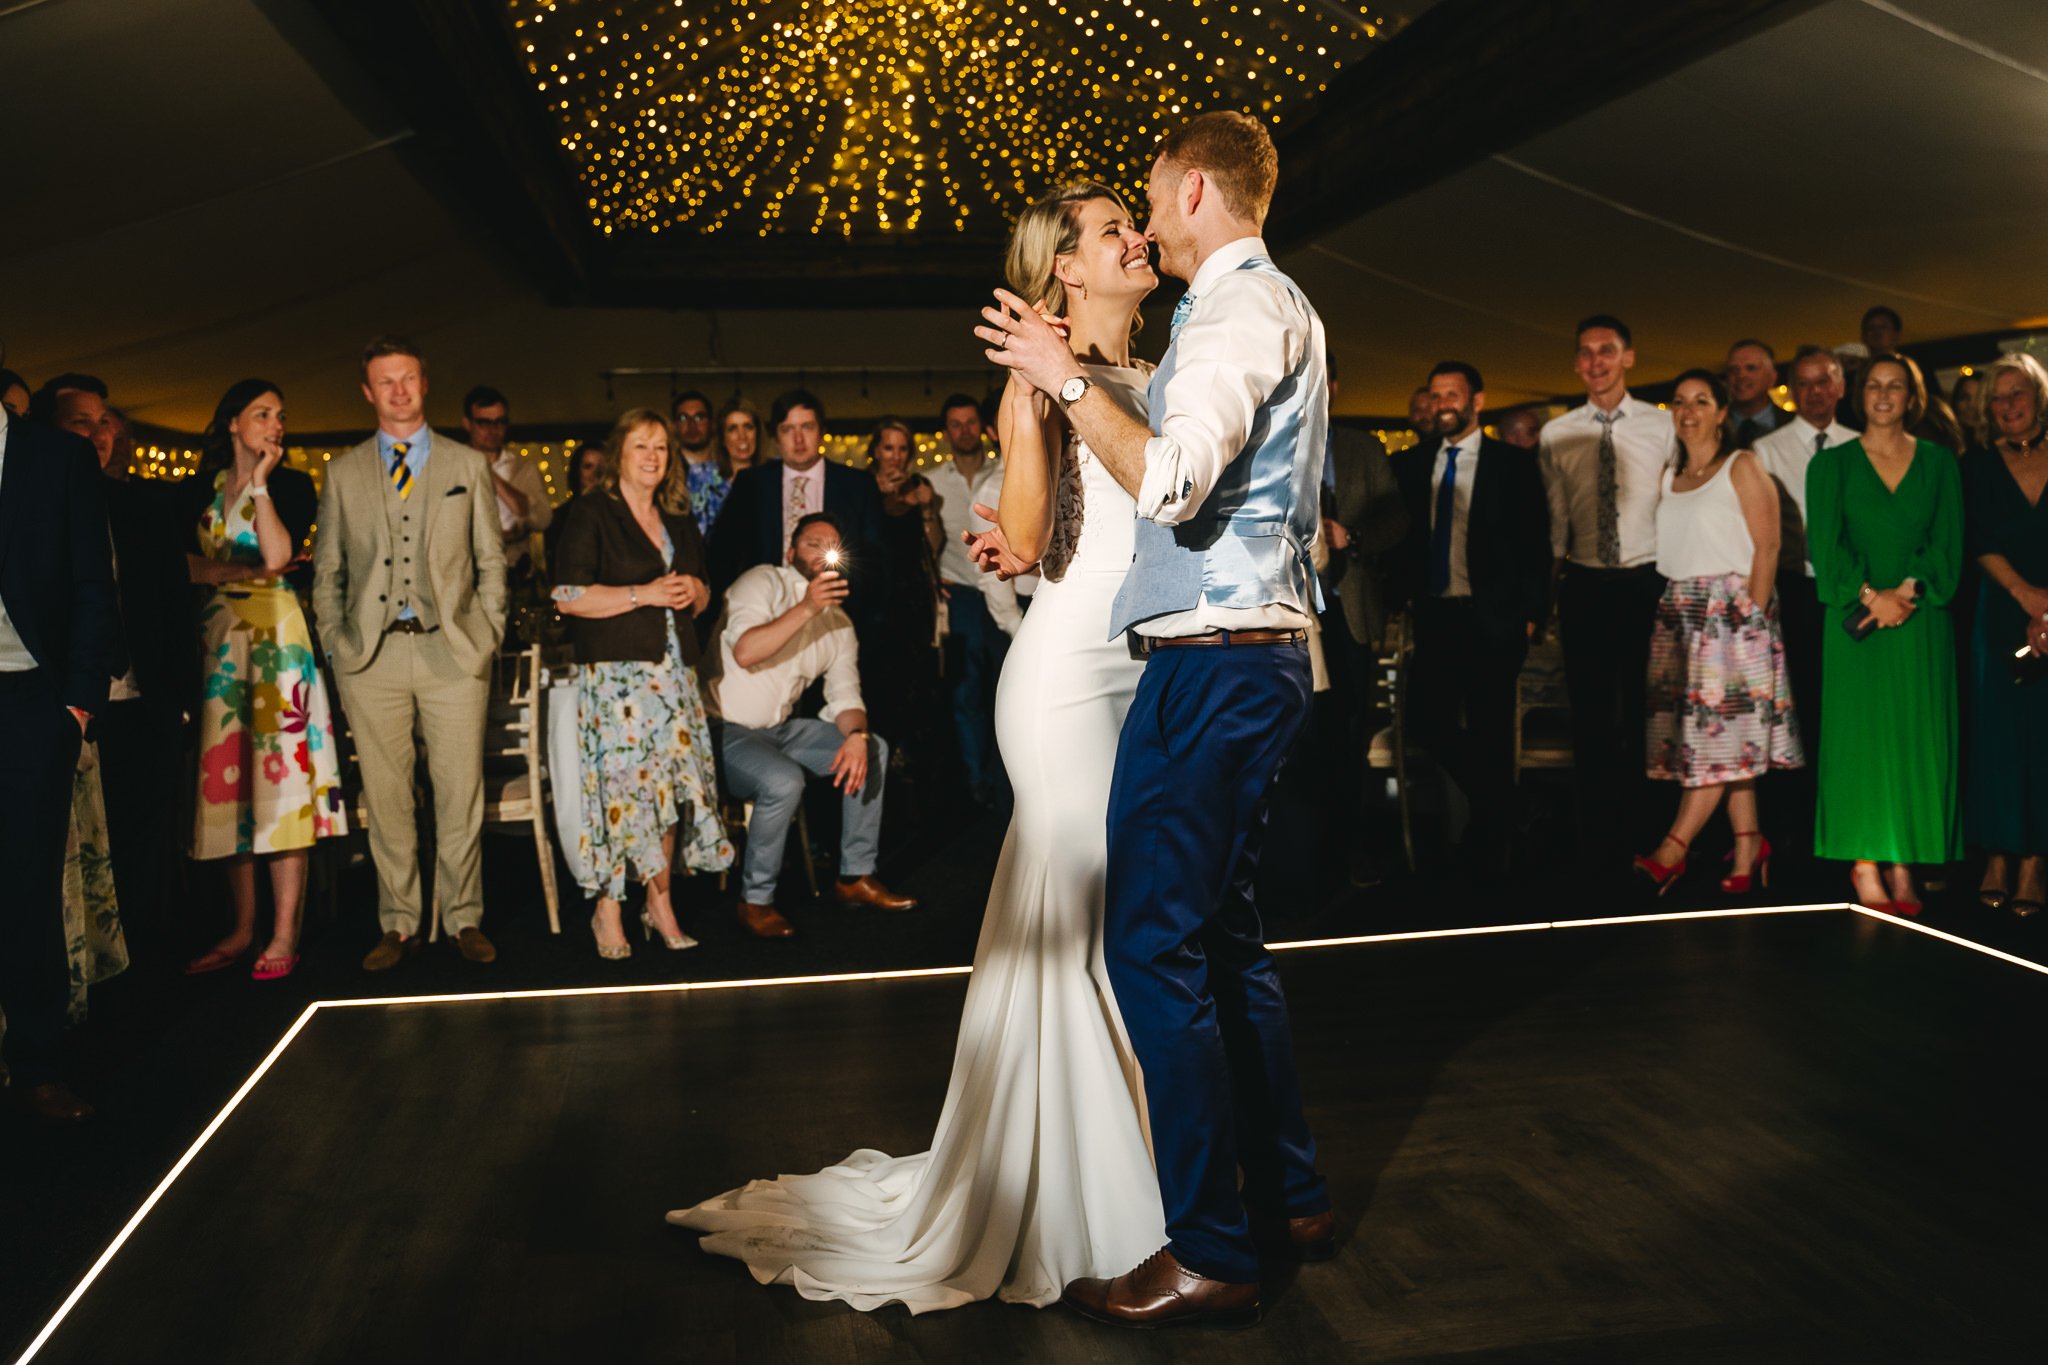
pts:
[1224, 259]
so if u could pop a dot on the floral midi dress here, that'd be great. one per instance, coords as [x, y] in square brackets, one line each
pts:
[268, 771]
[646, 759]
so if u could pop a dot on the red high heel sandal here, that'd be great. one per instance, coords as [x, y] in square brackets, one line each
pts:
[1736, 883]
[1856, 893]
[1660, 875]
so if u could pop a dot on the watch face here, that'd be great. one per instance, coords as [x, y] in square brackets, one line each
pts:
[1071, 391]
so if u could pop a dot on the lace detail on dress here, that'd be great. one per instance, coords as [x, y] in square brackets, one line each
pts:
[1066, 513]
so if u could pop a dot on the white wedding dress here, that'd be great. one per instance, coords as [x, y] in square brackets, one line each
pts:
[1040, 1171]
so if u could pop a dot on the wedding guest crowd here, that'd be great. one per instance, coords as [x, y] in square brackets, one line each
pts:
[1829, 617]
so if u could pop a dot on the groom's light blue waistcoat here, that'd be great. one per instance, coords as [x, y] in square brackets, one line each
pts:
[1248, 543]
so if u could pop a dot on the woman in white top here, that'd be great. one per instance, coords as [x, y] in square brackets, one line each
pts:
[1040, 1171]
[1720, 708]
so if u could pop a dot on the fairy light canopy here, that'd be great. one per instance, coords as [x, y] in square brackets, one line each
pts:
[867, 119]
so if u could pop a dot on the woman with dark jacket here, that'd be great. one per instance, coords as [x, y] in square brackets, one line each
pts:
[630, 577]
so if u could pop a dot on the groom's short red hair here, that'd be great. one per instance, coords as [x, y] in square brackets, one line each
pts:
[1235, 151]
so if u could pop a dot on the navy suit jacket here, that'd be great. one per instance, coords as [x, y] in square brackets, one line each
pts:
[56, 565]
[1507, 535]
[749, 529]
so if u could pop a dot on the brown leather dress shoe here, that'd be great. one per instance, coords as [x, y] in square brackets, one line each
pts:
[55, 1105]
[390, 951]
[868, 891]
[765, 921]
[474, 947]
[1315, 1236]
[1162, 1292]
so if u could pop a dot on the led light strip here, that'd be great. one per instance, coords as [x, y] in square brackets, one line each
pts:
[911, 974]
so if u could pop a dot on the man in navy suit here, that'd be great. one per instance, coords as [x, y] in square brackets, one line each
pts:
[766, 502]
[1475, 571]
[60, 647]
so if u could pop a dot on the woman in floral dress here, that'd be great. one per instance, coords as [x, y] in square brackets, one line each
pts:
[268, 775]
[1720, 706]
[630, 578]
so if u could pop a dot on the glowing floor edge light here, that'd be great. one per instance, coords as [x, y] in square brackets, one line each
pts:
[676, 987]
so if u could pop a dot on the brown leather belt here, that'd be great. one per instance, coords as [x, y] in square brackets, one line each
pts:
[1226, 638]
[410, 625]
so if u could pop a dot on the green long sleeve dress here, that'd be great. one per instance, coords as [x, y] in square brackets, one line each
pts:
[1889, 732]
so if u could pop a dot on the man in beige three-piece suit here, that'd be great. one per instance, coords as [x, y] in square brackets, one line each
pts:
[409, 591]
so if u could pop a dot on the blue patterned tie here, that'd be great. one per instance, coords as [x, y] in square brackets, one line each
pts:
[1180, 315]
[1440, 530]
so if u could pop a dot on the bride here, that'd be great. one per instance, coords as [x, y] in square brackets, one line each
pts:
[1041, 1170]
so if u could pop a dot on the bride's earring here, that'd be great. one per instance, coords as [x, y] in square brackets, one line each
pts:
[1084, 290]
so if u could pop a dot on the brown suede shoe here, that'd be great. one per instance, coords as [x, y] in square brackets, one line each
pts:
[55, 1106]
[764, 921]
[868, 891]
[390, 951]
[1315, 1236]
[1162, 1292]
[474, 947]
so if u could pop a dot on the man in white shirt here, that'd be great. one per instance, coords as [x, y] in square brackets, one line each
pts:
[1818, 387]
[523, 506]
[981, 611]
[1603, 469]
[1751, 373]
[783, 630]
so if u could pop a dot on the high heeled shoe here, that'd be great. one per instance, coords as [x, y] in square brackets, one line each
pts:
[1737, 883]
[675, 944]
[1659, 874]
[610, 952]
[1856, 892]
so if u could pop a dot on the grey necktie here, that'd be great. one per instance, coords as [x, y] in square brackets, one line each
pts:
[1820, 443]
[1609, 488]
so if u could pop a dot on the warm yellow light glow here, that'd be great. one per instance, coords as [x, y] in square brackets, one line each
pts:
[803, 116]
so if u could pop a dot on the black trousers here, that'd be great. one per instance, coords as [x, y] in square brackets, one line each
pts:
[1461, 693]
[38, 755]
[142, 770]
[1604, 618]
[1796, 791]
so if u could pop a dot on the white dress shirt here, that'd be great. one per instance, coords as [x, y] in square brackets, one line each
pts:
[1243, 336]
[1787, 452]
[811, 500]
[1467, 451]
[1568, 452]
[762, 697]
[14, 655]
[957, 496]
[523, 475]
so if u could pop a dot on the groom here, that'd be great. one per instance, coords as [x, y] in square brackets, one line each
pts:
[1218, 599]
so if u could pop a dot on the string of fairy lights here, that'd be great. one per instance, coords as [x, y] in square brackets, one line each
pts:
[875, 116]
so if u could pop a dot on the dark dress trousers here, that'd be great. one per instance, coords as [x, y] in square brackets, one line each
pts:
[57, 585]
[1469, 650]
[601, 544]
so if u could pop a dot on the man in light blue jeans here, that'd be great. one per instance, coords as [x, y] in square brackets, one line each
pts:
[783, 630]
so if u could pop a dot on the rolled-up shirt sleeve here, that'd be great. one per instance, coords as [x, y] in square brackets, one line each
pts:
[748, 603]
[1244, 337]
[842, 670]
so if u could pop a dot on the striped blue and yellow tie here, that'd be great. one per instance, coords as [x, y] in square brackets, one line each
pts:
[401, 472]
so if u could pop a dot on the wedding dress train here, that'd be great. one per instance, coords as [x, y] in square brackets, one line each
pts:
[1040, 1171]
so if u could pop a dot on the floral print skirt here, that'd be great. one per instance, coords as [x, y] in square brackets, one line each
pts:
[268, 775]
[1719, 704]
[647, 768]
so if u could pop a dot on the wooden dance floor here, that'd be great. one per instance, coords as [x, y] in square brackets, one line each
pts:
[1790, 1137]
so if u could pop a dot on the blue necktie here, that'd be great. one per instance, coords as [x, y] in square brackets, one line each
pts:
[1180, 315]
[1440, 530]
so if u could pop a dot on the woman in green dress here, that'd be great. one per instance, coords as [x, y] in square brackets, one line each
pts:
[1885, 528]
[2003, 483]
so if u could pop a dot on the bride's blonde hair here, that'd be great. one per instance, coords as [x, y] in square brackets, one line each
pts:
[1048, 230]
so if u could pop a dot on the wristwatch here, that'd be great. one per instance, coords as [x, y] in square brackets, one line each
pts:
[1072, 391]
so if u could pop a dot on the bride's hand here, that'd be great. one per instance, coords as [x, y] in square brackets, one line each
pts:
[990, 550]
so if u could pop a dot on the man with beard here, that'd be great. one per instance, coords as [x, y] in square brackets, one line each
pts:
[1475, 571]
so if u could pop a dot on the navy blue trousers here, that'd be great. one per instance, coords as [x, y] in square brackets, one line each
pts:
[976, 646]
[1193, 979]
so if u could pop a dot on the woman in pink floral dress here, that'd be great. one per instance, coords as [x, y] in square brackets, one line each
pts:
[268, 773]
[1719, 705]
